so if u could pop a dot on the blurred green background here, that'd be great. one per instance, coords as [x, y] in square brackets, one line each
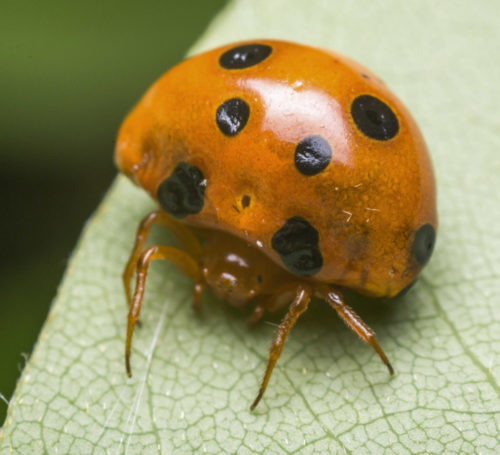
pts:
[69, 72]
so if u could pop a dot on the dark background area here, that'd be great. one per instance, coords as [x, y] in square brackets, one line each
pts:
[69, 72]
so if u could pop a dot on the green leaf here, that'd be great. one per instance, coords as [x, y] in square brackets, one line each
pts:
[195, 375]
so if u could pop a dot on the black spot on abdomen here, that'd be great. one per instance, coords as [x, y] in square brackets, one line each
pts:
[183, 192]
[232, 116]
[244, 56]
[423, 243]
[297, 244]
[312, 155]
[374, 118]
[245, 201]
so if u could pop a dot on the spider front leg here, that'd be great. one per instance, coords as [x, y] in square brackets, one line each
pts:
[182, 234]
[336, 301]
[298, 306]
[182, 260]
